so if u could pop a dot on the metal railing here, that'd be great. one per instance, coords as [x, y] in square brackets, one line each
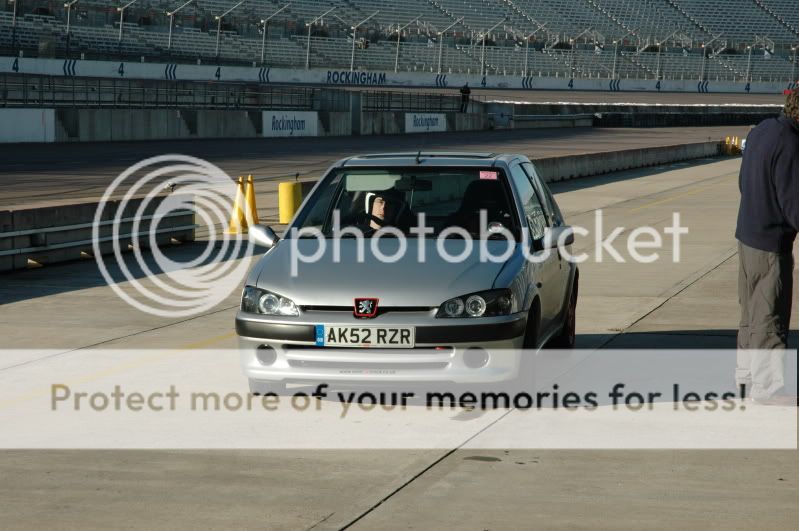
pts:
[24, 90]
[18, 90]
[410, 101]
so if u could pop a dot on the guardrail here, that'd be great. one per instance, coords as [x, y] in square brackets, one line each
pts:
[38, 236]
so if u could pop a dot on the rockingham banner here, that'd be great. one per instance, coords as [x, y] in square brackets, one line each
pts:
[425, 122]
[290, 123]
[268, 75]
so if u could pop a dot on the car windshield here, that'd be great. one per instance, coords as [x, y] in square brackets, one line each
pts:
[406, 198]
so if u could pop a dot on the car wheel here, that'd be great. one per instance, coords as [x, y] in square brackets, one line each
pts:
[568, 334]
[261, 387]
[525, 381]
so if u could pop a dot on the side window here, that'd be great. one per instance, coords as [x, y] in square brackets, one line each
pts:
[318, 212]
[553, 212]
[533, 210]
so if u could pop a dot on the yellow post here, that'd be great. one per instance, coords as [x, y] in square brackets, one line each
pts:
[289, 197]
[249, 197]
[238, 218]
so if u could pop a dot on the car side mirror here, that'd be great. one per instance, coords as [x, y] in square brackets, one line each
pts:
[558, 235]
[263, 235]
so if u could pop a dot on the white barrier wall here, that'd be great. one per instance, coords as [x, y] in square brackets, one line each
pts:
[290, 123]
[27, 125]
[189, 72]
[425, 122]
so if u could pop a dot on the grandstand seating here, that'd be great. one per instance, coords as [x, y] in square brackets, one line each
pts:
[579, 38]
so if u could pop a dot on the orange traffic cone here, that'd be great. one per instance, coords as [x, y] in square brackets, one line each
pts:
[238, 218]
[249, 198]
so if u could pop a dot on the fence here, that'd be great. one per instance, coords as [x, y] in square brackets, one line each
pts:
[18, 90]
[410, 101]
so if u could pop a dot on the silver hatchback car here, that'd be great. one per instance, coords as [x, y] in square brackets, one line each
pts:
[411, 267]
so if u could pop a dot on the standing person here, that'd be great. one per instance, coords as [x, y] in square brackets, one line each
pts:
[768, 221]
[465, 92]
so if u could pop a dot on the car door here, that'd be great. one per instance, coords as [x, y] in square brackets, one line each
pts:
[544, 274]
[555, 219]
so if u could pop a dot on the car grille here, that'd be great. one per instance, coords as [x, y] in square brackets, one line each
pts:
[370, 361]
[380, 310]
[338, 365]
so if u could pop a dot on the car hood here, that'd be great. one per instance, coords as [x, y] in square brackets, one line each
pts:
[406, 282]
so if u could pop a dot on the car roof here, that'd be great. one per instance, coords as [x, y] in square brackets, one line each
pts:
[430, 158]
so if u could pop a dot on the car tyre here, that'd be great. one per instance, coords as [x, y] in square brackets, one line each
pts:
[568, 334]
[525, 381]
[262, 387]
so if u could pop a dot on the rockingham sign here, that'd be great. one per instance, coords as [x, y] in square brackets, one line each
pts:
[290, 123]
[346, 77]
[425, 122]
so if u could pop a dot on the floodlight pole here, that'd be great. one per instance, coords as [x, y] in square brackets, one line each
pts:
[14, 26]
[441, 40]
[308, 47]
[354, 33]
[527, 48]
[483, 53]
[122, 18]
[265, 22]
[68, 6]
[219, 25]
[616, 51]
[399, 34]
[657, 73]
[171, 15]
[702, 67]
[793, 69]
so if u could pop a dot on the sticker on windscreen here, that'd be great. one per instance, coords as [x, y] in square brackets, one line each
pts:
[488, 175]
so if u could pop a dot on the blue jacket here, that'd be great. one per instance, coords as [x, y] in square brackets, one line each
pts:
[768, 217]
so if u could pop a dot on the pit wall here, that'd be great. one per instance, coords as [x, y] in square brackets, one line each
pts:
[266, 75]
[553, 169]
[101, 125]
[645, 115]
[27, 125]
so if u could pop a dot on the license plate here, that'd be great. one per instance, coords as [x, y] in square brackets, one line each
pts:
[365, 336]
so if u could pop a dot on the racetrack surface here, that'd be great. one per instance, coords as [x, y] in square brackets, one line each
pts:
[38, 175]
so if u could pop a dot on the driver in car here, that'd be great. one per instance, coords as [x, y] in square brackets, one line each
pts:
[378, 211]
[384, 208]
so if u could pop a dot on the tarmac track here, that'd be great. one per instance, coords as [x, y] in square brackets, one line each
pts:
[37, 175]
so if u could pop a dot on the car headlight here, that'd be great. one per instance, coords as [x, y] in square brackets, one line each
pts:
[256, 300]
[482, 304]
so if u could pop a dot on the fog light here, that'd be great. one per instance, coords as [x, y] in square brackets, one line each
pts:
[266, 355]
[474, 358]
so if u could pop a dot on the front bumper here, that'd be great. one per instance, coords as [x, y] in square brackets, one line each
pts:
[437, 357]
